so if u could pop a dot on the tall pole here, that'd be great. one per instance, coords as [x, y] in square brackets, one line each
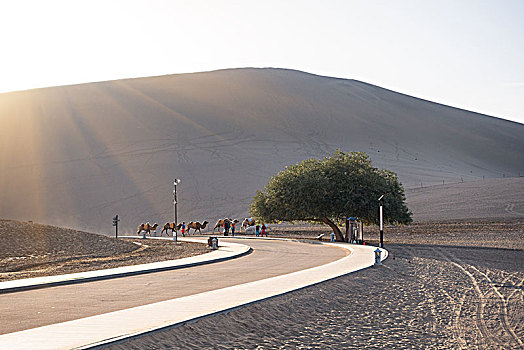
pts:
[381, 228]
[381, 222]
[175, 231]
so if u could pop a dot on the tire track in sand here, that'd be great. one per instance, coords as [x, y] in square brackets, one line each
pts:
[517, 287]
[479, 320]
[509, 209]
[504, 306]
[430, 297]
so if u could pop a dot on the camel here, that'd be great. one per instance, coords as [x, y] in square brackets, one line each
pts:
[146, 227]
[248, 222]
[220, 223]
[170, 226]
[195, 225]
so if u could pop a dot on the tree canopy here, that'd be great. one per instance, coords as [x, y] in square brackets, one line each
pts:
[331, 189]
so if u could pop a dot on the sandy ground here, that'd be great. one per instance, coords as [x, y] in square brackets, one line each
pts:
[494, 233]
[33, 250]
[426, 296]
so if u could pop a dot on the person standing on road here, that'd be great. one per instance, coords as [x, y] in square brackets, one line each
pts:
[257, 230]
[227, 223]
[264, 230]
[233, 228]
[183, 228]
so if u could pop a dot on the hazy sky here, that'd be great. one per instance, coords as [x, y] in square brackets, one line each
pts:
[468, 54]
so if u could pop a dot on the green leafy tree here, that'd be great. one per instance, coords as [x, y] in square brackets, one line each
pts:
[329, 190]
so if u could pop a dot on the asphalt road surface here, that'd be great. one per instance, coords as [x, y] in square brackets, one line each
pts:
[35, 308]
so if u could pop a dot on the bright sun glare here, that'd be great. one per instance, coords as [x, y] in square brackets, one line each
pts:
[416, 48]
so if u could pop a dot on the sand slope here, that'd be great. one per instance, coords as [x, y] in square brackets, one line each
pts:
[493, 198]
[77, 155]
[34, 250]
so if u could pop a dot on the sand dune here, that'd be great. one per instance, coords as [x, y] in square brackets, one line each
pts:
[77, 155]
[493, 198]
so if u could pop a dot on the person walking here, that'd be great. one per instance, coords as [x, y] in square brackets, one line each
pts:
[233, 228]
[264, 230]
[183, 228]
[257, 230]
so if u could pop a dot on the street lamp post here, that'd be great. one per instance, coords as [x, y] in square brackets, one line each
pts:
[175, 234]
[381, 218]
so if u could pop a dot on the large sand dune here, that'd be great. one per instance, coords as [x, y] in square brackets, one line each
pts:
[77, 155]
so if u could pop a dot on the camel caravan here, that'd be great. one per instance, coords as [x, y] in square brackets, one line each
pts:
[146, 228]
[225, 223]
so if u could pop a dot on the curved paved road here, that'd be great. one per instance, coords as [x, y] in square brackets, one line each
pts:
[34, 308]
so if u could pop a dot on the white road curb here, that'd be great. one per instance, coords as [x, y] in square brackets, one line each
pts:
[227, 250]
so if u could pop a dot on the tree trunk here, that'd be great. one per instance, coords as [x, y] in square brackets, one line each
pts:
[338, 235]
